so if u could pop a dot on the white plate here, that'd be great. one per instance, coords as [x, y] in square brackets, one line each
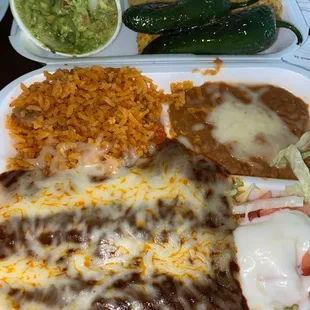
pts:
[124, 47]
[4, 4]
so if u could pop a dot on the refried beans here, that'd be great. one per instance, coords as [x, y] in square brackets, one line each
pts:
[240, 127]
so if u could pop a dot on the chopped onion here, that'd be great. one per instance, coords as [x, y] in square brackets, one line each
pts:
[93, 4]
[270, 203]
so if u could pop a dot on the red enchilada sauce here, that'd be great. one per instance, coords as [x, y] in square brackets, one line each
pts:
[229, 125]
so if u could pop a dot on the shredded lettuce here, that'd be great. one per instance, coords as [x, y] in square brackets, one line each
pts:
[292, 190]
[245, 196]
[235, 196]
[238, 183]
[305, 155]
[234, 190]
[303, 146]
[293, 155]
[304, 142]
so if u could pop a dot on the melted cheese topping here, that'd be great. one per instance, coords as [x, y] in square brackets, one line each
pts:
[270, 252]
[251, 130]
[85, 240]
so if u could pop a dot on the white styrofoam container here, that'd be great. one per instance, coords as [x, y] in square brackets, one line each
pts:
[124, 48]
[289, 77]
[4, 4]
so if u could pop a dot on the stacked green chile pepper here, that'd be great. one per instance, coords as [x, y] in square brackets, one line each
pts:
[206, 27]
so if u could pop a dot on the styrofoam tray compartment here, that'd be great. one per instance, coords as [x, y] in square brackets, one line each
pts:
[296, 80]
[124, 48]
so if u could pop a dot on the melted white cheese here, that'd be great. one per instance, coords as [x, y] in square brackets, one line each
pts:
[251, 130]
[185, 141]
[165, 120]
[185, 256]
[198, 127]
[269, 254]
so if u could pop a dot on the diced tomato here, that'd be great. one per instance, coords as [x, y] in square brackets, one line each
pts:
[159, 134]
[261, 213]
[305, 209]
[264, 212]
[252, 215]
[305, 264]
[84, 20]
[268, 211]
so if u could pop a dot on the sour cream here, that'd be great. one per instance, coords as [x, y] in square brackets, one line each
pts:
[269, 253]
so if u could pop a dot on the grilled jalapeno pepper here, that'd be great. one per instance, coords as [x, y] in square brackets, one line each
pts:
[158, 17]
[248, 32]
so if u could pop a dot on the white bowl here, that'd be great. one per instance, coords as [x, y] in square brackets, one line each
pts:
[23, 27]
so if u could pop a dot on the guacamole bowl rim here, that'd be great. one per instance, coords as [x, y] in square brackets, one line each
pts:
[38, 43]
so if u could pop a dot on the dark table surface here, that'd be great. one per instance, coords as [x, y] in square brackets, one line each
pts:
[13, 65]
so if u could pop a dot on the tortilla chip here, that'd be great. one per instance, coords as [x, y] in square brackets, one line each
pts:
[275, 4]
[144, 39]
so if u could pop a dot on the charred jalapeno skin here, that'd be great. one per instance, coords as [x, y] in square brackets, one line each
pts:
[248, 32]
[159, 17]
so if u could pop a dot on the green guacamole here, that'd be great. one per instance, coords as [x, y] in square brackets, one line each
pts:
[69, 26]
